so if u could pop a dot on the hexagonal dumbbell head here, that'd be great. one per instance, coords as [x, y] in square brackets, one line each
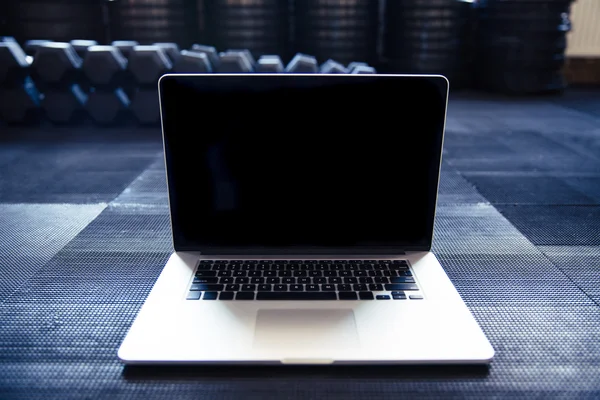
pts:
[147, 64]
[170, 49]
[20, 104]
[363, 69]
[64, 106]
[104, 66]
[234, 62]
[246, 52]
[13, 64]
[269, 64]
[81, 46]
[191, 62]
[145, 107]
[108, 107]
[332, 67]
[56, 65]
[210, 52]
[125, 46]
[302, 63]
[31, 46]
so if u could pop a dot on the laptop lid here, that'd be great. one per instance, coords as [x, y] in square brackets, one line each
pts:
[302, 164]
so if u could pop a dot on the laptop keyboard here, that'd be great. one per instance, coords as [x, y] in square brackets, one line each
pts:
[303, 280]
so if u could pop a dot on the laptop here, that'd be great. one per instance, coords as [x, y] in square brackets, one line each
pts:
[302, 210]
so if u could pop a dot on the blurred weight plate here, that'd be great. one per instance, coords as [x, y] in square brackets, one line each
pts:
[556, 42]
[261, 26]
[515, 61]
[343, 30]
[151, 21]
[57, 20]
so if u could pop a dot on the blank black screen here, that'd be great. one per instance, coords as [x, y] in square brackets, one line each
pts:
[302, 163]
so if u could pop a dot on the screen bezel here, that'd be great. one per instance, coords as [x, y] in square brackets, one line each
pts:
[441, 83]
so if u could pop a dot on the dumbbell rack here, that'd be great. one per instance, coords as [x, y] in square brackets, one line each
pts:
[116, 85]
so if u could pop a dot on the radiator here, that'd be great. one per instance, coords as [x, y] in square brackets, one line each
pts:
[584, 38]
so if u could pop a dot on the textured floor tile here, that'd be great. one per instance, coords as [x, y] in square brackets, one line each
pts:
[31, 234]
[556, 225]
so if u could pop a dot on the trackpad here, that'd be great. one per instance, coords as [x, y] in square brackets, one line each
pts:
[305, 330]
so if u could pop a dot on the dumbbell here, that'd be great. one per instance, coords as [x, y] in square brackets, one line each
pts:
[106, 70]
[146, 65]
[81, 46]
[360, 68]
[269, 64]
[232, 61]
[332, 67]
[19, 98]
[302, 63]
[192, 62]
[125, 46]
[211, 53]
[170, 49]
[31, 46]
[7, 39]
[56, 70]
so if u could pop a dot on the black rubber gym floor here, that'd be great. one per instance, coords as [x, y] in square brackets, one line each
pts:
[84, 233]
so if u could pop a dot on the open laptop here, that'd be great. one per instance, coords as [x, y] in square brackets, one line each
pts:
[302, 211]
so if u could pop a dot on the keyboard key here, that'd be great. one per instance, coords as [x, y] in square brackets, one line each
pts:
[273, 280]
[285, 274]
[376, 287]
[344, 288]
[206, 273]
[329, 273]
[264, 288]
[360, 287]
[193, 295]
[312, 288]
[304, 280]
[335, 280]
[405, 273]
[328, 288]
[226, 296]
[270, 273]
[345, 273]
[360, 273]
[296, 296]
[210, 296]
[365, 279]
[366, 296]
[255, 273]
[239, 273]
[401, 286]
[280, 288]
[242, 280]
[399, 296]
[226, 279]
[314, 273]
[248, 288]
[224, 273]
[289, 281]
[208, 288]
[375, 273]
[244, 296]
[204, 267]
[348, 296]
[300, 273]
[297, 288]
[351, 280]
[205, 280]
[232, 288]
[319, 280]
[382, 297]
[382, 279]
[415, 297]
[402, 279]
[256, 281]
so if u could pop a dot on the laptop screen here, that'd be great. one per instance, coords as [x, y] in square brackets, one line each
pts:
[302, 163]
